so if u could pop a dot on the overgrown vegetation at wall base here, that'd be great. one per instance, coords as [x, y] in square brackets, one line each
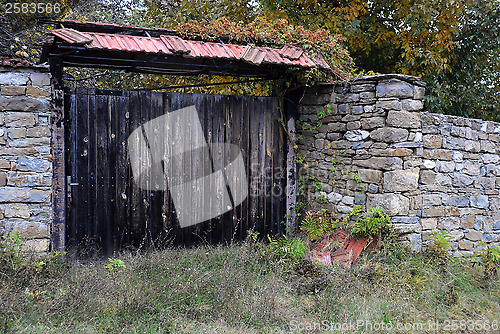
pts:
[244, 288]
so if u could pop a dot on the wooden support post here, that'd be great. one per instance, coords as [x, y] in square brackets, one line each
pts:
[58, 156]
[291, 105]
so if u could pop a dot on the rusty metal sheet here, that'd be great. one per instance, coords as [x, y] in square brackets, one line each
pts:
[168, 44]
[175, 44]
[72, 36]
[254, 55]
[291, 52]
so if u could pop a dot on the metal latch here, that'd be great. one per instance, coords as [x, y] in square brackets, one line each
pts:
[70, 185]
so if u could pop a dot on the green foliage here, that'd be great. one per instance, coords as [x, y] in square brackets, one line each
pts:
[453, 45]
[11, 253]
[440, 245]
[180, 290]
[276, 33]
[253, 235]
[289, 250]
[316, 224]
[371, 223]
[489, 258]
[115, 265]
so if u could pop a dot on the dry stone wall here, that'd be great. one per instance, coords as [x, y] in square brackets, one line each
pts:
[368, 142]
[25, 156]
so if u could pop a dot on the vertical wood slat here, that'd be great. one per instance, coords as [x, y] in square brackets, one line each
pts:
[58, 155]
[121, 214]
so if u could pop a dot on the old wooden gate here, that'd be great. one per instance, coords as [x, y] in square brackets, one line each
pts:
[108, 208]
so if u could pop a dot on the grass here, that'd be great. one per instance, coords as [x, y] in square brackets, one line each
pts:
[241, 288]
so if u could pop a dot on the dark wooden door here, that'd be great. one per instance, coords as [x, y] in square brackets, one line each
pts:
[109, 209]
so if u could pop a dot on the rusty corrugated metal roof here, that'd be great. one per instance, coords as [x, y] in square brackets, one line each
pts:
[176, 46]
[72, 36]
[291, 52]
[15, 62]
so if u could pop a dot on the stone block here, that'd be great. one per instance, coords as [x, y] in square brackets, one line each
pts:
[370, 175]
[412, 105]
[353, 125]
[485, 183]
[443, 179]
[33, 165]
[392, 104]
[390, 135]
[399, 152]
[384, 163]
[16, 133]
[457, 156]
[13, 79]
[25, 179]
[468, 221]
[13, 91]
[348, 200]
[454, 143]
[12, 194]
[438, 154]
[401, 180]
[479, 201]
[392, 204]
[22, 103]
[473, 235]
[16, 211]
[460, 201]
[427, 177]
[38, 196]
[471, 168]
[405, 220]
[408, 144]
[367, 95]
[336, 127]
[4, 164]
[40, 79]
[362, 88]
[472, 146]
[448, 223]
[445, 166]
[19, 119]
[432, 141]
[334, 197]
[406, 228]
[428, 223]
[359, 199]
[490, 158]
[394, 88]
[435, 211]
[431, 200]
[37, 92]
[418, 93]
[36, 245]
[465, 244]
[342, 208]
[356, 135]
[485, 146]
[38, 131]
[3, 179]
[456, 235]
[429, 164]
[30, 142]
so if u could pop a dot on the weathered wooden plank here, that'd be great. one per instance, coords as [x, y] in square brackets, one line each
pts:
[122, 213]
[58, 155]
[291, 103]
[122, 173]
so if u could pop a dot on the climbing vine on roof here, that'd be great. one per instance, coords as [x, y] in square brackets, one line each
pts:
[320, 43]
